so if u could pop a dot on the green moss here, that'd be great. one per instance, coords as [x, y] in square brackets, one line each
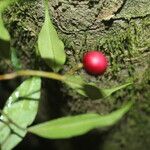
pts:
[21, 25]
[133, 132]
[135, 8]
[126, 44]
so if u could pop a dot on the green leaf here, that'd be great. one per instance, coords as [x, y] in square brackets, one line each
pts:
[21, 108]
[77, 83]
[5, 3]
[86, 89]
[108, 92]
[4, 35]
[68, 127]
[50, 47]
[89, 89]
[14, 60]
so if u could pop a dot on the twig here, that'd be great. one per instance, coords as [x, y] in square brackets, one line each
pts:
[44, 74]
[73, 70]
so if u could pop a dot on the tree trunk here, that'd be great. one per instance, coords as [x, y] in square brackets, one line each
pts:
[119, 28]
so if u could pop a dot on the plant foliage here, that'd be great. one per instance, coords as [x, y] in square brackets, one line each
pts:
[68, 127]
[19, 112]
[50, 47]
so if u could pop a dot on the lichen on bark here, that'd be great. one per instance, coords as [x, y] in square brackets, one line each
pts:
[119, 28]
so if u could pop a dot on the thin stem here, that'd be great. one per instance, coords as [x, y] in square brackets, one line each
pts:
[46, 8]
[73, 70]
[44, 74]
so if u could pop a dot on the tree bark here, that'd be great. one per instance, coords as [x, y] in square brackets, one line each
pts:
[119, 28]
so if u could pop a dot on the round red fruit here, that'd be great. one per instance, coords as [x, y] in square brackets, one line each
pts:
[95, 62]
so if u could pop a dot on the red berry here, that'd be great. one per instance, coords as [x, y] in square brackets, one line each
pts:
[95, 62]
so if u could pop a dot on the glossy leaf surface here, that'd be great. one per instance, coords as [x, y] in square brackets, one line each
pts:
[19, 112]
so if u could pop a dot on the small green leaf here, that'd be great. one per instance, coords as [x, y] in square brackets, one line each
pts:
[4, 35]
[68, 127]
[108, 92]
[89, 89]
[50, 47]
[14, 60]
[21, 108]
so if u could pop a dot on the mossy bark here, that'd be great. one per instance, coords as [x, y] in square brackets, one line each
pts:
[119, 28]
